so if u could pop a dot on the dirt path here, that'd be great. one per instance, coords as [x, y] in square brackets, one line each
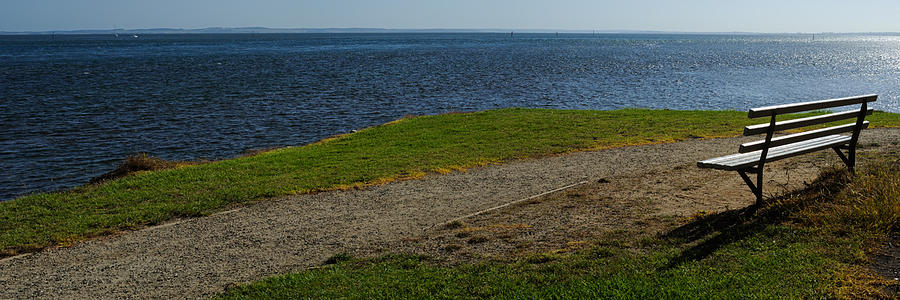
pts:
[199, 257]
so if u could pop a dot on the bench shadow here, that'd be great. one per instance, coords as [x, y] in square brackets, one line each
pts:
[711, 232]
[725, 228]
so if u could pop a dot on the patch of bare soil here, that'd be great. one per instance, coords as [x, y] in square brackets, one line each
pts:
[886, 262]
[635, 206]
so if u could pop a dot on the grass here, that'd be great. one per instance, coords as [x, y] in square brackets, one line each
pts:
[404, 149]
[809, 244]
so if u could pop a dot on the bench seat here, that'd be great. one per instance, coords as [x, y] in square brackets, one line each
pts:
[750, 159]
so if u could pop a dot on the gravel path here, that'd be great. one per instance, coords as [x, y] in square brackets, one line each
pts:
[199, 257]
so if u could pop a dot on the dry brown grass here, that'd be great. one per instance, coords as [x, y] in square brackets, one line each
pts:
[869, 201]
[139, 163]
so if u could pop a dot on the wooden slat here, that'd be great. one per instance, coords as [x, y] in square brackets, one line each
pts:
[746, 157]
[798, 123]
[747, 160]
[752, 158]
[806, 106]
[729, 159]
[793, 138]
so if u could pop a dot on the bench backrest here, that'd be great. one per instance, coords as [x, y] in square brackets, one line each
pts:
[772, 111]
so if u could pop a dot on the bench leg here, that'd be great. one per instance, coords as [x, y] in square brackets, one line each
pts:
[755, 188]
[849, 161]
[852, 158]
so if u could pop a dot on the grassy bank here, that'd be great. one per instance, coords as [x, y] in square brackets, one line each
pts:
[407, 148]
[809, 244]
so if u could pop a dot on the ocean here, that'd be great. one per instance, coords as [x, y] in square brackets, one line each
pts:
[73, 106]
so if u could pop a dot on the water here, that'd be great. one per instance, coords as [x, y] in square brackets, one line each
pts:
[71, 107]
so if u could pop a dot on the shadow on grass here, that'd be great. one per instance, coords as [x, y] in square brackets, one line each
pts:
[711, 232]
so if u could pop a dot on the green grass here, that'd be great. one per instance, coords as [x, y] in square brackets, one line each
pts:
[408, 148]
[810, 244]
[755, 268]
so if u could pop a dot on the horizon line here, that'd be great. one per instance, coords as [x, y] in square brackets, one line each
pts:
[257, 29]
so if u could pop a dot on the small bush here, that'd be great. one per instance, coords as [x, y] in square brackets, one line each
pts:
[134, 164]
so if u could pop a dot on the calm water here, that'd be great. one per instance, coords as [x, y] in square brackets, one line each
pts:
[71, 107]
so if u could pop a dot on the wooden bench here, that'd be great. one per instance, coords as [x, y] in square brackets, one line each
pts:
[753, 156]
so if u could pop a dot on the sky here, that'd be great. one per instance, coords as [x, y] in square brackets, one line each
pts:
[684, 15]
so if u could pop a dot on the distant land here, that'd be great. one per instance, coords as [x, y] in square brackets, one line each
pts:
[336, 30]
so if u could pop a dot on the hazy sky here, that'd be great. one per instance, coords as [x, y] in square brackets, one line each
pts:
[683, 15]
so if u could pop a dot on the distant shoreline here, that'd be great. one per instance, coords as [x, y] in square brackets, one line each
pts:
[264, 30]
